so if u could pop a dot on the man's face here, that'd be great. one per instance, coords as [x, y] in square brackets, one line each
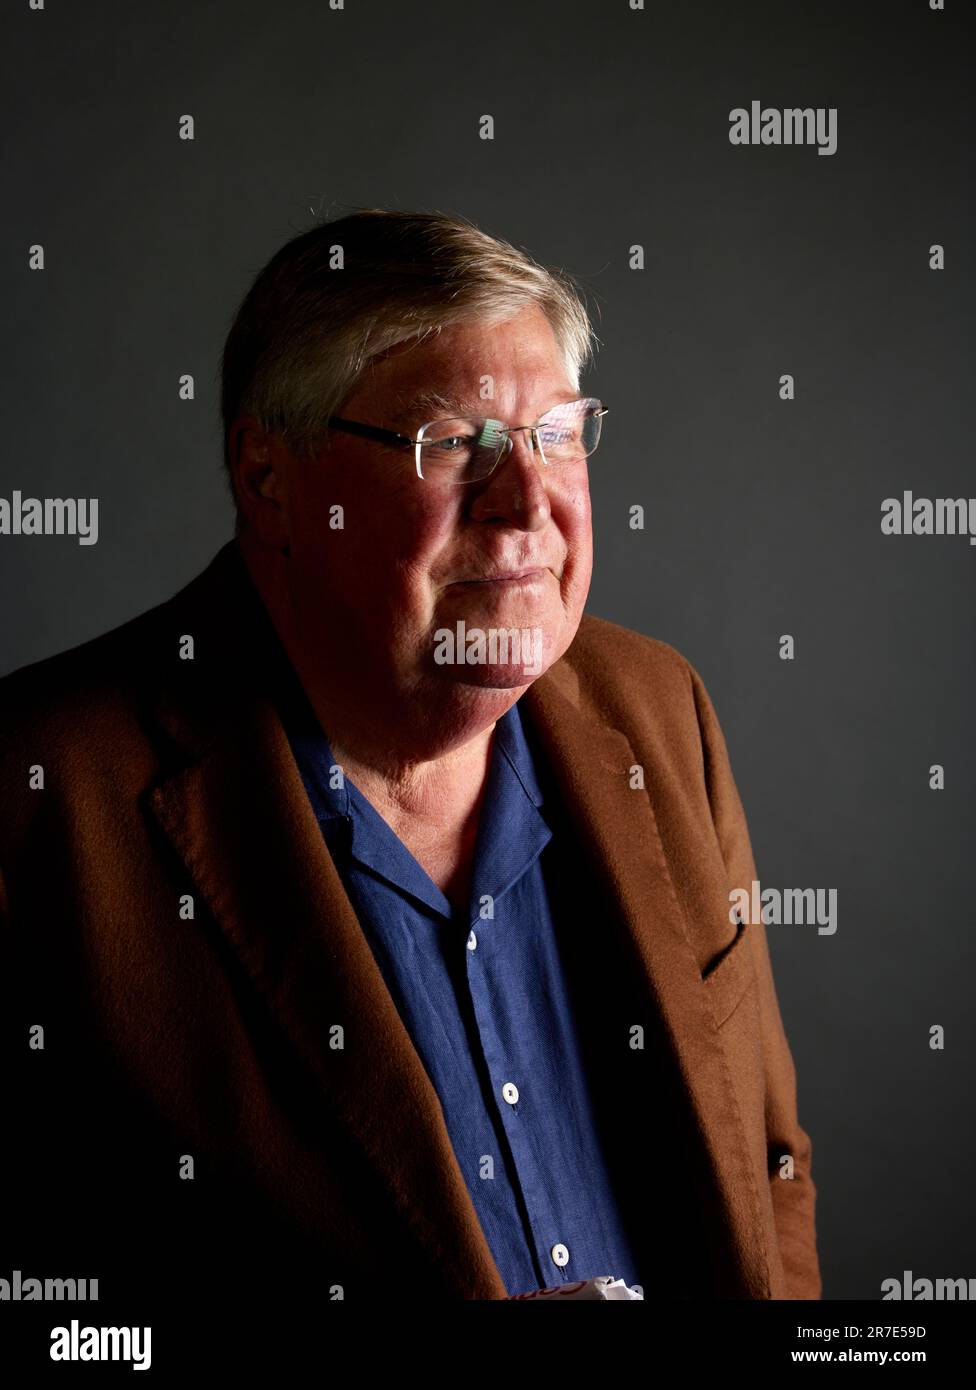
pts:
[417, 556]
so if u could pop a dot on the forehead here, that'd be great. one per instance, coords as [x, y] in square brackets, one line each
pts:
[443, 374]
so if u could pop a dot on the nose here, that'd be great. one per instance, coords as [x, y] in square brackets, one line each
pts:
[515, 491]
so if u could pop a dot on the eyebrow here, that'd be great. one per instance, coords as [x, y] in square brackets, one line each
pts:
[425, 401]
[429, 402]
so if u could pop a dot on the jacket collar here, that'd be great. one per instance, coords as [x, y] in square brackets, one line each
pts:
[236, 811]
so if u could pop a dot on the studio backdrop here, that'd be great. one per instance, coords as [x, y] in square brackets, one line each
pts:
[769, 209]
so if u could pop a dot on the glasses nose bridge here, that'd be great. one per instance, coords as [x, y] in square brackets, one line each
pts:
[515, 429]
[535, 443]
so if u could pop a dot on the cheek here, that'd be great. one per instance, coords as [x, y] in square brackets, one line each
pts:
[318, 517]
[426, 533]
[378, 551]
[572, 513]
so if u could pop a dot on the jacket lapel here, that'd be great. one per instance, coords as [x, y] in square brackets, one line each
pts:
[590, 762]
[238, 816]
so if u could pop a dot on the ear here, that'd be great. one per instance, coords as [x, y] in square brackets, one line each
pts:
[259, 468]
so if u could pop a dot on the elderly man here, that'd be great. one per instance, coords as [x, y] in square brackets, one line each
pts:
[369, 903]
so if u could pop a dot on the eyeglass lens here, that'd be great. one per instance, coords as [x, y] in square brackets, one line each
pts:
[469, 447]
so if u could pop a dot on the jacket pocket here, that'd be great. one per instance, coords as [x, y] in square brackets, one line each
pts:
[729, 977]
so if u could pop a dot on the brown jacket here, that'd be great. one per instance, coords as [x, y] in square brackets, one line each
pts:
[214, 1038]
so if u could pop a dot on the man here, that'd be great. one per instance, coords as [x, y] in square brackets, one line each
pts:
[369, 903]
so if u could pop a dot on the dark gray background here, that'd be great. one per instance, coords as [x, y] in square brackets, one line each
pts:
[763, 517]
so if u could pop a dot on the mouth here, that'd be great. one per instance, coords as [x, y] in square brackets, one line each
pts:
[509, 577]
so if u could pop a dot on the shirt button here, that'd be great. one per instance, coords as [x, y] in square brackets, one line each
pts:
[560, 1255]
[472, 941]
[510, 1092]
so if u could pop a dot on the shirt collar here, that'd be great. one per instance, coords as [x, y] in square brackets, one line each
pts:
[511, 835]
[513, 832]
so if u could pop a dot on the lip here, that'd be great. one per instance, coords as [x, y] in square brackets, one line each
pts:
[508, 577]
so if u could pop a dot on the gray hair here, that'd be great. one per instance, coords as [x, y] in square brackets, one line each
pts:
[347, 290]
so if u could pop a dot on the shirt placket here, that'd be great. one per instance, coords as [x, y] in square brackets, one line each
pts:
[516, 1102]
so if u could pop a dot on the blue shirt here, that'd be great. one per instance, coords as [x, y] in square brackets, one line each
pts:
[484, 997]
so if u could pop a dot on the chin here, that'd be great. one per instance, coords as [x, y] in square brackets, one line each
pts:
[494, 677]
[498, 655]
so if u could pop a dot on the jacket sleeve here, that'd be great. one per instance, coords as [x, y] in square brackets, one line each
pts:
[793, 1198]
